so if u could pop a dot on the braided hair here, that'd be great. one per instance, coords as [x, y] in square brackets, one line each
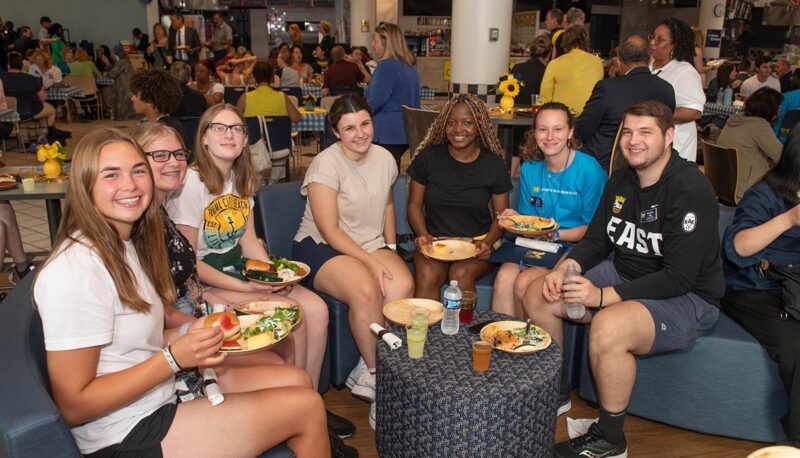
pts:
[682, 39]
[487, 134]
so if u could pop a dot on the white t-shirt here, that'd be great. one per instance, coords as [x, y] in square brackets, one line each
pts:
[362, 194]
[221, 220]
[752, 84]
[49, 77]
[78, 302]
[216, 88]
[688, 94]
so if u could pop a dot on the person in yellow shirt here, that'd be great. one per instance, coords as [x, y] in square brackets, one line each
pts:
[569, 79]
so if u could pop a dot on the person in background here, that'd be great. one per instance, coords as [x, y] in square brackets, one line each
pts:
[395, 82]
[326, 39]
[672, 59]
[221, 37]
[156, 94]
[103, 59]
[762, 78]
[458, 178]
[531, 72]
[347, 235]
[111, 363]
[157, 53]
[790, 103]
[184, 42]
[193, 103]
[121, 101]
[142, 40]
[25, 40]
[726, 78]
[11, 242]
[599, 123]
[214, 92]
[341, 73]
[750, 132]
[557, 181]
[784, 72]
[765, 231]
[237, 72]
[44, 30]
[561, 83]
[83, 65]
[659, 290]
[42, 67]
[289, 77]
[794, 80]
[68, 57]
[699, 64]
[304, 70]
[553, 21]
[295, 35]
[57, 44]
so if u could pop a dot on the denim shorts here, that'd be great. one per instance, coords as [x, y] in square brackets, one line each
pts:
[184, 304]
[678, 320]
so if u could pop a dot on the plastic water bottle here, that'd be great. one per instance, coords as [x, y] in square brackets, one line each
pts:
[719, 97]
[574, 310]
[727, 98]
[452, 308]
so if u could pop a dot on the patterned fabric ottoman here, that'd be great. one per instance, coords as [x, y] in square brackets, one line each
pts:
[438, 406]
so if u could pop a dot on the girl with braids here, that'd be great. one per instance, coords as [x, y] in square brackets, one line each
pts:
[672, 59]
[557, 181]
[101, 295]
[457, 170]
[347, 235]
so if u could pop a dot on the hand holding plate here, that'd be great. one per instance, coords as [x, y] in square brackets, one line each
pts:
[484, 250]
[423, 240]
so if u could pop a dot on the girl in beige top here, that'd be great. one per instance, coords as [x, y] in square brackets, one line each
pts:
[347, 235]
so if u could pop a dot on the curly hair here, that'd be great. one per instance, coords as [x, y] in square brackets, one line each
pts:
[487, 134]
[158, 88]
[682, 39]
[541, 47]
[530, 149]
[575, 37]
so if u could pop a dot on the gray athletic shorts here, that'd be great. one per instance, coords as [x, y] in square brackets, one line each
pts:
[679, 320]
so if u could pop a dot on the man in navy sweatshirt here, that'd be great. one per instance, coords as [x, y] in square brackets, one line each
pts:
[659, 290]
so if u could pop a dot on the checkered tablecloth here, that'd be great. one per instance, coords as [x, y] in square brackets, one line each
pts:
[310, 122]
[424, 92]
[63, 93]
[312, 88]
[716, 109]
[104, 81]
[9, 115]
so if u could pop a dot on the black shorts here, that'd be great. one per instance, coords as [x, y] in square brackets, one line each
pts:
[314, 254]
[145, 438]
[678, 320]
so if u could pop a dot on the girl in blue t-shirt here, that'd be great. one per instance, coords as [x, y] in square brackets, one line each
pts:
[557, 181]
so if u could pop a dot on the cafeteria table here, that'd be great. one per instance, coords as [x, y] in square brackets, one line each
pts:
[506, 123]
[104, 81]
[63, 93]
[439, 406]
[311, 121]
[50, 191]
[718, 109]
[9, 115]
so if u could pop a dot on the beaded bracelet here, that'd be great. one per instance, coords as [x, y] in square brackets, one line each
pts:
[171, 359]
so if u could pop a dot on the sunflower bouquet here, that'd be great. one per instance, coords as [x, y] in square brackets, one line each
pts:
[52, 154]
[309, 101]
[509, 86]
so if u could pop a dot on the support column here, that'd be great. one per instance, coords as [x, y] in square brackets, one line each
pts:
[480, 45]
[634, 19]
[362, 22]
[710, 21]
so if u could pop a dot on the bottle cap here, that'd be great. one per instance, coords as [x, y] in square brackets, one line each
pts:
[453, 282]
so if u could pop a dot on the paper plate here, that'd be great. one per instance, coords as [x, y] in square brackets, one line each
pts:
[491, 331]
[5, 186]
[541, 226]
[776, 451]
[249, 320]
[449, 250]
[304, 271]
[399, 312]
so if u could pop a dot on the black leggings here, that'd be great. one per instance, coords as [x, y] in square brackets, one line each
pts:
[397, 151]
[760, 314]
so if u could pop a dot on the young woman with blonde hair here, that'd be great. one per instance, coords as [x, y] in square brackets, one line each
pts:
[395, 82]
[112, 364]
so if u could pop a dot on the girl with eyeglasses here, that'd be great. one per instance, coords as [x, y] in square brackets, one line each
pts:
[213, 210]
[111, 361]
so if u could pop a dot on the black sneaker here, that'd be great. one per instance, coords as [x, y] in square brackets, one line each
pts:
[340, 426]
[591, 445]
[339, 449]
[28, 269]
[564, 403]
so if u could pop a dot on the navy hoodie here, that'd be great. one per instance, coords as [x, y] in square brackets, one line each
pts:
[664, 237]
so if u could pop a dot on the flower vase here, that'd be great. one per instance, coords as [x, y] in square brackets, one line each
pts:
[309, 105]
[52, 168]
[507, 102]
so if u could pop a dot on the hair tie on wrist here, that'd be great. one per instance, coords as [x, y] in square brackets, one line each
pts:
[171, 359]
[601, 299]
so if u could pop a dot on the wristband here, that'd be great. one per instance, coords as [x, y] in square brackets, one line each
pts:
[392, 246]
[601, 299]
[171, 360]
[556, 235]
[184, 328]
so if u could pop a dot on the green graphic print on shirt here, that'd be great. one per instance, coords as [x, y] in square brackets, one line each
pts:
[225, 220]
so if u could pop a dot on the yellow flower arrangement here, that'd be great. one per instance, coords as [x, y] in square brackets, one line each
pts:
[509, 85]
[54, 150]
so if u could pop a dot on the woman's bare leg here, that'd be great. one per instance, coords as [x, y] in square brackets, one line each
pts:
[429, 276]
[503, 291]
[314, 329]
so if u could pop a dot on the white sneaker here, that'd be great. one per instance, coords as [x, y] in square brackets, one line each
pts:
[372, 416]
[351, 379]
[364, 387]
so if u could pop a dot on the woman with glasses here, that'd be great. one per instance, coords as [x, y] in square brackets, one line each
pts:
[213, 210]
[111, 362]
[395, 82]
[672, 59]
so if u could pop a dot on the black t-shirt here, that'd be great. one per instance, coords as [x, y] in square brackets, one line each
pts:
[458, 194]
[25, 88]
[193, 104]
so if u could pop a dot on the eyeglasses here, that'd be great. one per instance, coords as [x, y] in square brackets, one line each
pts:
[657, 39]
[221, 129]
[164, 155]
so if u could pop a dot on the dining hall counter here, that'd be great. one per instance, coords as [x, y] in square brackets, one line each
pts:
[431, 72]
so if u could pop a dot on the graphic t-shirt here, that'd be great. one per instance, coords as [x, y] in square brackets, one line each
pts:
[220, 219]
[570, 197]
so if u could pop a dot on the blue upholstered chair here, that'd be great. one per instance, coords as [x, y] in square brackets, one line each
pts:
[725, 385]
[30, 424]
